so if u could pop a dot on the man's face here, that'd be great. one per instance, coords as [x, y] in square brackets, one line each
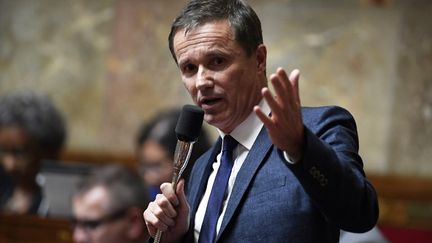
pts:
[94, 221]
[218, 74]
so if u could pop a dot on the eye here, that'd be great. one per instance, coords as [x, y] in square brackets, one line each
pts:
[217, 61]
[188, 69]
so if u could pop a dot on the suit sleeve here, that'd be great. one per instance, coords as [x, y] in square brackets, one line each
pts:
[331, 171]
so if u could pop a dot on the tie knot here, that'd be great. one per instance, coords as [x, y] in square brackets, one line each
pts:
[229, 143]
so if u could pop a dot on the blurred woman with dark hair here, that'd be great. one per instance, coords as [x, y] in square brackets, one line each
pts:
[156, 143]
[31, 129]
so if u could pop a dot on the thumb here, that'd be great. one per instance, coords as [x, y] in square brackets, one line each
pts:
[183, 205]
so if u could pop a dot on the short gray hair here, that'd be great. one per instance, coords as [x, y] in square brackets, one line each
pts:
[241, 16]
[125, 187]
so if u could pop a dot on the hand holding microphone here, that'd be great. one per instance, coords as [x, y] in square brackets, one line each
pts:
[188, 129]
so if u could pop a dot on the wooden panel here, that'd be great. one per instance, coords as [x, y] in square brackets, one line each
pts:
[403, 187]
[26, 229]
[98, 158]
[404, 201]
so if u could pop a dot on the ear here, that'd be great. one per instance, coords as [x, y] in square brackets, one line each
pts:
[261, 58]
[137, 228]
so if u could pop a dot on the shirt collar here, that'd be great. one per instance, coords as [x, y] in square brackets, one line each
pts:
[247, 132]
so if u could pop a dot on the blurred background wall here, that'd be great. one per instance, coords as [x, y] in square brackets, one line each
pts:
[107, 65]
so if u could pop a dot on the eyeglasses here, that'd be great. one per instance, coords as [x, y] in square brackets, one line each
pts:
[92, 224]
[154, 166]
[18, 153]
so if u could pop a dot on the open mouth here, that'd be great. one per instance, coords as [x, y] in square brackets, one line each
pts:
[209, 104]
[211, 101]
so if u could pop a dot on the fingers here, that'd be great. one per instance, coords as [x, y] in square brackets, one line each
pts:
[263, 117]
[286, 93]
[294, 75]
[160, 213]
[281, 86]
[168, 192]
[286, 89]
[294, 79]
[285, 123]
[271, 101]
[152, 222]
[157, 217]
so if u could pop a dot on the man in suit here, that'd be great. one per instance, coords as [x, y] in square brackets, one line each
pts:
[295, 173]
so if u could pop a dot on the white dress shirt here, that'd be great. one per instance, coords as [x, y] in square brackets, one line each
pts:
[245, 134]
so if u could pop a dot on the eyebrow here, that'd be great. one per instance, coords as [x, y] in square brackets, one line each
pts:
[211, 53]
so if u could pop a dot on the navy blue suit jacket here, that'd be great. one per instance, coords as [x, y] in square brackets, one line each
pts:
[274, 201]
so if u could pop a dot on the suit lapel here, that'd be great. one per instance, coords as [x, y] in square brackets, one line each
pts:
[244, 177]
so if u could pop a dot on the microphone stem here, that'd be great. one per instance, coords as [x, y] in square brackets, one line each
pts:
[181, 158]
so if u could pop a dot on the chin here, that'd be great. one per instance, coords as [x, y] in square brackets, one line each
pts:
[209, 119]
[213, 120]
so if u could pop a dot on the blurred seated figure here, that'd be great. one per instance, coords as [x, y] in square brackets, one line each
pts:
[155, 147]
[31, 129]
[108, 207]
[5, 185]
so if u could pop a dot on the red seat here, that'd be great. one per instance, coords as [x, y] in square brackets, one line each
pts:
[406, 235]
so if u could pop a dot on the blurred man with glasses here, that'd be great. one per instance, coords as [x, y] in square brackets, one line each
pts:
[108, 207]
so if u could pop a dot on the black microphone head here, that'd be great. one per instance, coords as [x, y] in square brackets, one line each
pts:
[189, 124]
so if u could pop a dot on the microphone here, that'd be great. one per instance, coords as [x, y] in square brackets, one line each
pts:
[187, 130]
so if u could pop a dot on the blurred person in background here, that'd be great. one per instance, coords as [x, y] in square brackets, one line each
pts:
[108, 207]
[31, 129]
[155, 147]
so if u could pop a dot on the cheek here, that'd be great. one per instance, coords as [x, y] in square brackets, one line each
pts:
[188, 84]
[150, 177]
[233, 84]
[191, 88]
[104, 234]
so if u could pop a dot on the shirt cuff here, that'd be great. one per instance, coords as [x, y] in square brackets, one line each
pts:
[288, 158]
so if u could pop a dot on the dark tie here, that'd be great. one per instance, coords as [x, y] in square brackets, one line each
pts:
[214, 206]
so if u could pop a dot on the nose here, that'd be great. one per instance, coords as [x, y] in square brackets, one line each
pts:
[204, 78]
